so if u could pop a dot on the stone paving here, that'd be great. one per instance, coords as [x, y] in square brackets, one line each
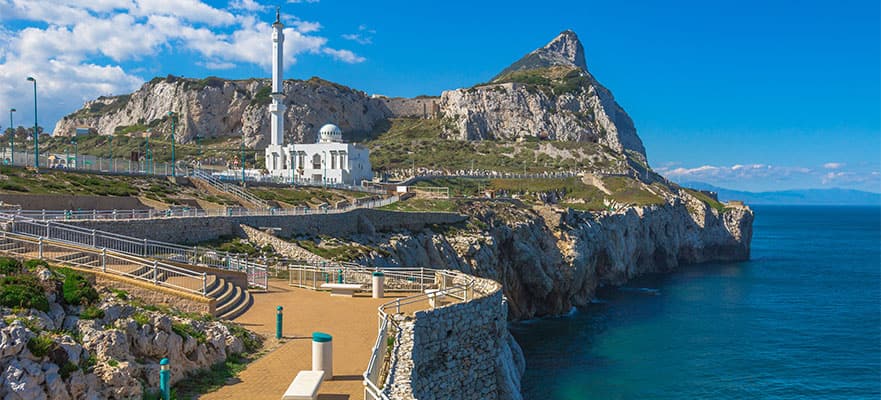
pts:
[352, 322]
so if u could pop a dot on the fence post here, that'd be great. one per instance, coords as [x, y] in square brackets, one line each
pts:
[40, 248]
[103, 260]
[155, 271]
[204, 284]
[145, 247]
[93, 238]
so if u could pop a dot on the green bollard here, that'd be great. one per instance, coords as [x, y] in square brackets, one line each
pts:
[164, 379]
[340, 280]
[278, 318]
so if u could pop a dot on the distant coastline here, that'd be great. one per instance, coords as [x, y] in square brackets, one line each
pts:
[801, 197]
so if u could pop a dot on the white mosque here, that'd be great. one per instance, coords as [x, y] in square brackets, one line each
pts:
[329, 160]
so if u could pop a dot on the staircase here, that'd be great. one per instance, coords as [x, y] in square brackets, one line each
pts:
[231, 300]
[233, 190]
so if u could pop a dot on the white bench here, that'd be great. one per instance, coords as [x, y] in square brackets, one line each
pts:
[305, 386]
[342, 289]
[434, 298]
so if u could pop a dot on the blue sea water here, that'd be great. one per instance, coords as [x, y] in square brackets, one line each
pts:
[801, 319]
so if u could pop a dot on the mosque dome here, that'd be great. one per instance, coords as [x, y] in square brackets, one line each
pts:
[330, 133]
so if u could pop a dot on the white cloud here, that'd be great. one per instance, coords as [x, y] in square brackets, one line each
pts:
[344, 55]
[248, 5]
[364, 35]
[833, 165]
[302, 1]
[78, 49]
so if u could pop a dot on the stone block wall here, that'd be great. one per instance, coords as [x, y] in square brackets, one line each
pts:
[423, 107]
[460, 351]
[197, 230]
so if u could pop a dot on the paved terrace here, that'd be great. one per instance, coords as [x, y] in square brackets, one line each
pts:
[351, 321]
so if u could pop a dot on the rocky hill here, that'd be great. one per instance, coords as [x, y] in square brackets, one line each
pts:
[218, 108]
[548, 94]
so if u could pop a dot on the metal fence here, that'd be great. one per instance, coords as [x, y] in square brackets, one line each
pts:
[140, 247]
[107, 261]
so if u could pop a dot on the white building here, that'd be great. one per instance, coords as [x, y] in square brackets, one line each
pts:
[330, 160]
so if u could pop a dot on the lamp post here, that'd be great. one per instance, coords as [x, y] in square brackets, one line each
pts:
[11, 138]
[173, 165]
[147, 154]
[36, 134]
[76, 156]
[324, 164]
[243, 158]
[110, 144]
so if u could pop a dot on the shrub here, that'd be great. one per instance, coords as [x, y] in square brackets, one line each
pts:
[9, 265]
[23, 291]
[141, 319]
[67, 369]
[77, 289]
[31, 265]
[120, 294]
[187, 330]
[113, 363]
[252, 342]
[40, 345]
[92, 312]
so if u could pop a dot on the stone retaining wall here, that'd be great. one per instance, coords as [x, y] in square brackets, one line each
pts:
[72, 202]
[459, 351]
[196, 230]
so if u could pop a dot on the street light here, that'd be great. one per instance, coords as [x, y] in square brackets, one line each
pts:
[324, 164]
[147, 154]
[110, 144]
[36, 135]
[76, 157]
[243, 158]
[11, 138]
[171, 114]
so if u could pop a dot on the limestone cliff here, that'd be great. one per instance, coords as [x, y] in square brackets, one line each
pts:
[549, 261]
[549, 93]
[218, 108]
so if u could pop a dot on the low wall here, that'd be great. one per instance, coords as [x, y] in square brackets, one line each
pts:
[155, 295]
[201, 229]
[459, 351]
[72, 202]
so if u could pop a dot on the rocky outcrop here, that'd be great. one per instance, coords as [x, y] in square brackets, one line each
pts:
[551, 261]
[549, 93]
[218, 108]
[60, 354]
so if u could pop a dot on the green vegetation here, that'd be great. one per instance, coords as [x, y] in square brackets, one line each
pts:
[67, 369]
[76, 289]
[558, 79]
[9, 265]
[334, 249]
[630, 191]
[418, 204]
[23, 291]
[211, 379]
[40, 345]
[141, 318]
[406, 142]
[707, 200]
[308, 197]
[31, 265]
[187, 330]
[119, 294]
[113, 363]
[251, 341]
[262, 97]
[91, 312]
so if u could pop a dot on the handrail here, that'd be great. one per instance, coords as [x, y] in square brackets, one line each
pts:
[117, 214]
[109, 261]
[194, 255]
[225, 187]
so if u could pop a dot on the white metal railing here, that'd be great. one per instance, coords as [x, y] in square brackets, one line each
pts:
[228, 188]
[140, 247]
[373, 376]
[107, 261]
[72, 215]
[311, 275]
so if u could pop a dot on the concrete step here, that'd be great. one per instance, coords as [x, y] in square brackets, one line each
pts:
[230, 302]
[240, 309]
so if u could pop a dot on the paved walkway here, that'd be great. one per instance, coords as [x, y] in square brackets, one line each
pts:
[352, 322]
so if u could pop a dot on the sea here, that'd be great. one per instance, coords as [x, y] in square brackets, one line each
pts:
[800, 320]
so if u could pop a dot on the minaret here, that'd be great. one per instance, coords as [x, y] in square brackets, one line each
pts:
[277, 106]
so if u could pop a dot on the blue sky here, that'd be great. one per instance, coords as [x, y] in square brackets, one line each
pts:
[751, 95]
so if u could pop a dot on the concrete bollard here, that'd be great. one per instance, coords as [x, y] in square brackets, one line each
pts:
[164, 379]
[340, 278]
[378, 285]
[278, 320]
[322, 354]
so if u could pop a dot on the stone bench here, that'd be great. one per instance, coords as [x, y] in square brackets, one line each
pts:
[304, 386]
[342, 289]
[434, 298]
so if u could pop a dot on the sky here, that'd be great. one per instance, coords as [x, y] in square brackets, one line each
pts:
[749, 95]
